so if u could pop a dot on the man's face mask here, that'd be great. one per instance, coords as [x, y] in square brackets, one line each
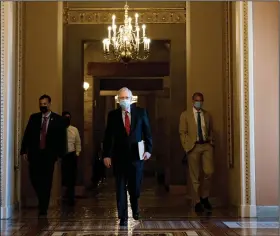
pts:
[67, 121]
[198, 104]
[125, 104]
[43, 109]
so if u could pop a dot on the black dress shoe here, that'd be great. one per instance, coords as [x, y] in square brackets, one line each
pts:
[136, 216]
[206, 204]
[71, 202]
[199, 208]
[123, 222]
[42, 214]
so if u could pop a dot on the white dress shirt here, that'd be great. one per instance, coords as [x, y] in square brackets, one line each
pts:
[203, 127]
[74, 140]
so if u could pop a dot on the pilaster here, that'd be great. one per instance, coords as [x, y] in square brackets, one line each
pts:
[244, 97]
[8, 116]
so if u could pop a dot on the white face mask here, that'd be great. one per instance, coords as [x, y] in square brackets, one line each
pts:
[198, 104]
[125, 104]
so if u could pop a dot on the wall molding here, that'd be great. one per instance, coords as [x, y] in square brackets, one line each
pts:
[19, 75]
[228, 81]
[91, 15]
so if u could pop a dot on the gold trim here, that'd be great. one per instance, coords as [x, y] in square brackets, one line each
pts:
[228, 81]
[18, 93]
[246, 101]
[3, 51]
[104, 15]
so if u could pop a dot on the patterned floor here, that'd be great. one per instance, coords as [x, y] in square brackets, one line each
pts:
[162, 215]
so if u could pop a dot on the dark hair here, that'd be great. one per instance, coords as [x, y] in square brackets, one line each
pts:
[45, 96]
[66, 113]
[198, 94]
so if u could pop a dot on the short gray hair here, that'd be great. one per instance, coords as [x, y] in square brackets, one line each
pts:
[124, 89]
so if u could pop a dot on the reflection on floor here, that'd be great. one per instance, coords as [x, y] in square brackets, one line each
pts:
[161, 214]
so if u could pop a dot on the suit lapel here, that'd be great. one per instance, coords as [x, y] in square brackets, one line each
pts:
[206, 120]
[133, 120]
[192, 124]
[39, 123]
[120, 119]
[51, 119]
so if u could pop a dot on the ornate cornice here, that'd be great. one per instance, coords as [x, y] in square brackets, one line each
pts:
[104, 15]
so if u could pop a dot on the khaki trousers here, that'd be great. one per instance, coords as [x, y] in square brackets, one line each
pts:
[201, 157]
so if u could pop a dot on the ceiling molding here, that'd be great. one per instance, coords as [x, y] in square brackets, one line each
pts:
[92, 15]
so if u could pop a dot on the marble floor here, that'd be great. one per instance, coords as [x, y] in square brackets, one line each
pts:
[161, 214]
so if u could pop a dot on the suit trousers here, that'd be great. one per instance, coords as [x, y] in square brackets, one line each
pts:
[41, 170]
[201, 156]
[69, 173]
[128, 178]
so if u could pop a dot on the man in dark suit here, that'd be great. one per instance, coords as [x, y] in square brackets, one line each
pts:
[43, 142]
[126, 126]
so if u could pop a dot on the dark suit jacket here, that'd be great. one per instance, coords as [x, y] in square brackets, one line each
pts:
[55, 140]
[120, 146]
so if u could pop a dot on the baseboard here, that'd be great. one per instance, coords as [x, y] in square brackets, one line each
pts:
[249, 211]
[7, 211]
[268, 211]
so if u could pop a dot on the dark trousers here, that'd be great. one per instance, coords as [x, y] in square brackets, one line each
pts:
[99, 171]
[128, 177]
[69, 173]
[41, 170]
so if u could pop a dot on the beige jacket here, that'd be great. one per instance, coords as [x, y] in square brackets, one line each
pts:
[188, 129]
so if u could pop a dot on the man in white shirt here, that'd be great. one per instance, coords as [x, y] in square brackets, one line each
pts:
[196, 134]
[69, 161]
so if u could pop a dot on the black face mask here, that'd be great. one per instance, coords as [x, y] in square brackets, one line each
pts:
[44, 109]
[67, 121]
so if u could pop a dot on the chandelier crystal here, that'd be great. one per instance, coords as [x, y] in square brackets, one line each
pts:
[124, 44]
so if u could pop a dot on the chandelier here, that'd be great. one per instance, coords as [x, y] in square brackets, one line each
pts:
[123, 44]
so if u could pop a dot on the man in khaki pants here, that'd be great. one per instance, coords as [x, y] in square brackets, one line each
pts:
[196, 136]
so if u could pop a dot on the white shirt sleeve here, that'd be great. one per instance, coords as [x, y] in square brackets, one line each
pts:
[78, 143]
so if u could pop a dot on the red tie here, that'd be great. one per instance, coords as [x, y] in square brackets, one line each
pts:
[43, 133]
[127, 123]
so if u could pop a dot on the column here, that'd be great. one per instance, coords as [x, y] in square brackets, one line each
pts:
[42, 73]
[7, 117]
[243, 172]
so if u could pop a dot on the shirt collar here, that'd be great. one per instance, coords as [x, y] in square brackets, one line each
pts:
[128, 110]
[47, 115]
[196, 111]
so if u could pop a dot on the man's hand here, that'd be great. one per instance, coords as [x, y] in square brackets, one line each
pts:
[25, 157]
[107, 162]
[146, 156]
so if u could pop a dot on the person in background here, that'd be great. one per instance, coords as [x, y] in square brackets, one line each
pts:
[99, 170]
[69, 161]
[197, 138]
[44, 140]
[127, 127]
